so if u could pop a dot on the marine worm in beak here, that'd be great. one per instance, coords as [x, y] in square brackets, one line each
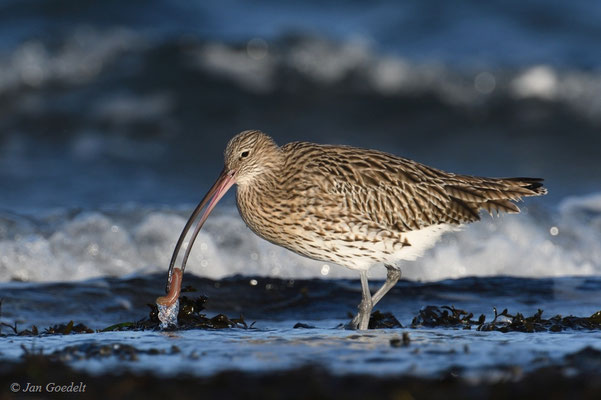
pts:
[174, 290]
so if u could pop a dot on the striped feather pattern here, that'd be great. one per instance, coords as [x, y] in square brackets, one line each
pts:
[357, 207]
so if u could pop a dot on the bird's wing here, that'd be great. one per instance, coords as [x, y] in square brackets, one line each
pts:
[400, 194]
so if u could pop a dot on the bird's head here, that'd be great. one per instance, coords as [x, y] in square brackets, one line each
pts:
[250, 154]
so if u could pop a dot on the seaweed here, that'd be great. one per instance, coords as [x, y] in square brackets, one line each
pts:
[122, 326]
[13, 327]
[446, 316]
[124, 352]
[385, 320]
[300, 325]
[449, 316]
[189, 317]
[66, 329]
[401, 342]
[536, 323]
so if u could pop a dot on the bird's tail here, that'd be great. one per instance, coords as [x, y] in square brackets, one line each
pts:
[494, 195]
[513, 189]
[534, 185]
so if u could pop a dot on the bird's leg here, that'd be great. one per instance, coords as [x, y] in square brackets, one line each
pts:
[368, 301]
[392, 277]
[361, 320]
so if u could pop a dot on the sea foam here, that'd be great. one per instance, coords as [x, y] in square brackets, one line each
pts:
[66, 246]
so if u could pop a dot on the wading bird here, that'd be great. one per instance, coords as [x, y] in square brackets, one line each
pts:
[349, 206]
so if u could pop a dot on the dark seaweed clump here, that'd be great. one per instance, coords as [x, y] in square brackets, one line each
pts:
[95, 350]
[67, 329]
[58, 329]
[121, 351]
[189, 317]
[445, 316]
[536, 323]
[401, 342]
[385, 320]
[448, 316]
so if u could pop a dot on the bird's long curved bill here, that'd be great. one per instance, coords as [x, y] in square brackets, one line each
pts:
[215, 193]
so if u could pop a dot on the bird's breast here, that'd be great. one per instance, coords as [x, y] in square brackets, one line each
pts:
[264, 214]
[317, 228]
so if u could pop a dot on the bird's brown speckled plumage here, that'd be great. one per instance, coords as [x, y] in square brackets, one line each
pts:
[334, 203]
[350, 206]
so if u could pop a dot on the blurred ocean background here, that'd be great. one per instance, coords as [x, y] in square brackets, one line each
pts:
[114, 117]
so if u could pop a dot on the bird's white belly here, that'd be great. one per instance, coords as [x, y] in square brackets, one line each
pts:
[362, 255]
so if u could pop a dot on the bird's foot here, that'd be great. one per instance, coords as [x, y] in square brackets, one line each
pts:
[353, 324]
[361, 320]
[358, 323]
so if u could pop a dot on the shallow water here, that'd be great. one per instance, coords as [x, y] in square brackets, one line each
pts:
[276, 306]
[432, 352]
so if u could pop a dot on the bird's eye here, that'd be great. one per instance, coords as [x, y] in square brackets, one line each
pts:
[244, 154]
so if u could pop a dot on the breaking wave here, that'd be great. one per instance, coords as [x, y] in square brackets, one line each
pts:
[75, 245]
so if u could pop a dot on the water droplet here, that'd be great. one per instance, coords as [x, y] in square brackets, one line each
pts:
[325, 269]
[554, 231]
[253, 282]
[93, 249]
[257, 48]
[485, 82]
[168, 315]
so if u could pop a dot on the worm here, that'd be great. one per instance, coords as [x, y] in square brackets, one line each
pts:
[176, 285]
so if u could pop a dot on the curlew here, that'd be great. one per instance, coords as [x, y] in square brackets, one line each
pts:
[349, 206]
